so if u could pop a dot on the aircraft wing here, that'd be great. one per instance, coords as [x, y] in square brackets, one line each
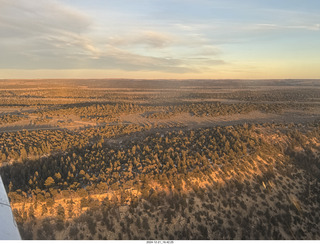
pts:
[8, 226]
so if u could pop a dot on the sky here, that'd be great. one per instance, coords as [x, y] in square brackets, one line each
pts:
[152, 39]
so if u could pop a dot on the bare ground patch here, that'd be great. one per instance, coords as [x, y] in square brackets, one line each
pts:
[70, 122]
[189, 120]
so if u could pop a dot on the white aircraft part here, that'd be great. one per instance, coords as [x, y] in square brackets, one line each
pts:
[8, 226]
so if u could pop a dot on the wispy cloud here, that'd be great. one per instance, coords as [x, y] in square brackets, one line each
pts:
[35, 32]
[21, 18]
[270, 27]
[113, 58]
[50, 35]
[162, 36]
[146, 38]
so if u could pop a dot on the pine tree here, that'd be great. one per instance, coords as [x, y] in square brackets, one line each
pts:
[49, 182]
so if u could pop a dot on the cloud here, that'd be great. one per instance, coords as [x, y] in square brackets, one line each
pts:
[46, 34]
[208, 50]
[270, 27]
[113, 58]
[22, 18]
[37, 33]
[149, 39]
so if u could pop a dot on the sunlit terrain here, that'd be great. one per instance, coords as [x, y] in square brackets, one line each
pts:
[162, 159]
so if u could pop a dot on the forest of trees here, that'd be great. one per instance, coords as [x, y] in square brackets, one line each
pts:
[113, 179]
[80, 164]
[178, 161]
[8, 118]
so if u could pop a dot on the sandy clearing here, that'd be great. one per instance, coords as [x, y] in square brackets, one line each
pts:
[16, 109]
[56, 123]
[184, 119]
[193, 121]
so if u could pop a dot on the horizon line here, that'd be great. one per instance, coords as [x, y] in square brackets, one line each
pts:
[208, 79]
